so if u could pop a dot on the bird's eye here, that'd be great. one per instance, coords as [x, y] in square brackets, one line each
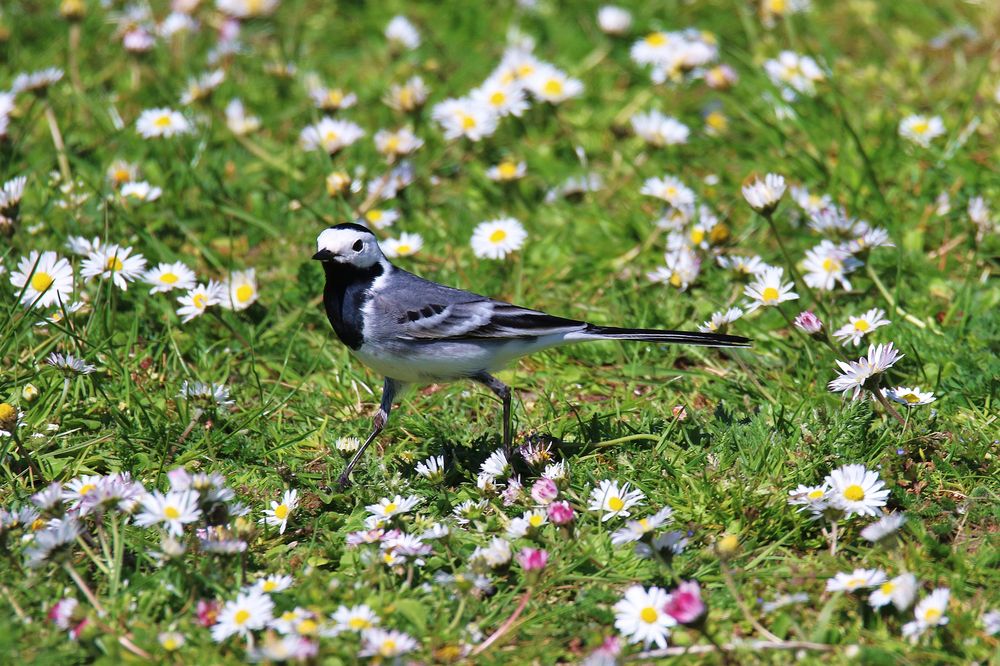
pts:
[358, 245]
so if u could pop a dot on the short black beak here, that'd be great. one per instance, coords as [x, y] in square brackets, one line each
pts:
[323, 255]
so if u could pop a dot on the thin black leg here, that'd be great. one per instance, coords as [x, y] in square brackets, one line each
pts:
[503, 392]
[389, 391]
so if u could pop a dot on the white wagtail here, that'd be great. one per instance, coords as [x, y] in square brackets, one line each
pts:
[413, 331]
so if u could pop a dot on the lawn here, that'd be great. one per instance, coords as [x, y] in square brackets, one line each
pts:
[175, 409]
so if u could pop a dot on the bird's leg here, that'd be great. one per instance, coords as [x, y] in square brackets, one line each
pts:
[389, 391]
[503, 392]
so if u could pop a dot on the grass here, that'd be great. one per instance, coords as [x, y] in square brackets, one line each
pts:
[758, 422]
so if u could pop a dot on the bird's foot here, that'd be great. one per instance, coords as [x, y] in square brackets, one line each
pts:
[345, 480]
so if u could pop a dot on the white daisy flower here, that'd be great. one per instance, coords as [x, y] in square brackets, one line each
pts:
[517, 64]
[408, 96]
[827, 264]
[381, 218]
[174, 510]
[614, 20]
[77, 489]
[251, 610]
[495, 239]
[332, 99]
[764, 195]
[883, 527]
[556, 471]
[69, 364]
[921, 130]
[402, 32]
[244, 9]
[859, 579]
[278, 514]
[355, 618]
[240, 290]
[659, 130]
[767, 289]
[200, 298]
[683, 266]
[407, 244]
[432, 468]
[900, 592]
[991, 619]
[855, 489]
[46, 279]
[238, 121]
[869, 240]
[669, 189]
[387, 508]
[506, 171]
[742, 266]
[115, 262]
[140, 192]
[505, 98]
[910, 396]
[810, 202]
[930, 612]
[382, 643]
[348, 444]
[641, 618]
[80, 245]
[330, 135]
[856, 374]
[720, 320]
[550, 84]
[166, 277]
[465, 117]
[611, 501]
[36, 81]
[201, 87]
[812, 498]
[835, 221]
[273, 583]
[494, 555]
[794, 73]
[858, 327]
[496, 465]
[11, 194]
[635, 530]
[397, 143]
[161, 122]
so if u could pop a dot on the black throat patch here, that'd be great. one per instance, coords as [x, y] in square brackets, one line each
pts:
[346, 293]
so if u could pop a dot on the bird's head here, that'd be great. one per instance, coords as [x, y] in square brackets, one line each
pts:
[348, 244]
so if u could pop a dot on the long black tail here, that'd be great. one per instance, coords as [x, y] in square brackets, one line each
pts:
[655, 335]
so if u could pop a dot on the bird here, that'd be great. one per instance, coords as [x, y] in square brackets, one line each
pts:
[414, 331]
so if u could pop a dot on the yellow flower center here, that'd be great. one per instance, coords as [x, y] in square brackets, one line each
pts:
[390, 507]
[37, 524]
[671, 191]
[815, 494]
[114, 264]
[932, 615]
[403, 249]
[269, 585]
[921, 127]
[498, 98]
[769, 295]
[200, 301]
[777, 6]
[307, 627]
[675, 279]
[172, 513]
[854, 583]
[330, 136]
[830, 265]
[335, 97]
[405, 98]
[716, 120]
[358, 623]
[170, 644]
[525, 71]
[507, 170]
[122, 176]
[861, 325]
[374, 215]
[86, 488]
[911, 398]
[244, 293]
[242, 615]
[163, 121]
[648, 615]
[468, 122]
[656, 39]
[388, 648]
[553, 87]
[854, 492]
[169, 278]
[392, 144]
[498, 236]
[697, 236]
[281, 511]
[616, 504]
[535, 520]
[644, 524]
[887, 587]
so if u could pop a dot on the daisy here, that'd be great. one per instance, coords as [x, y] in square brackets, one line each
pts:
[794, 73]
[720, 320]
[911, 397]
[721, 77]
[807, 322]
[826, 265]
[742, 266]
[400, 142]
[921, 130]
[237, 120]
[408, 97]
[119, 173]
[140, 192]
[46, 279]
[550, 84]
[174, 510]
[278, 514]
[495, 239]
[669, 189]
[504, 98]
[611, 501]
[241, 288]
[768, 290]
[991, 620]
[858, 327]
[431, 469]
[250, 610]
[11, 193]
[883, 527]
[82, 246]
[869, 240]
[899, 591]
[469, 510]
[635, 530]
[166, 277]
[356, 618]
[244, 9]
[201, 87]
[381, 643]
[808, 201]
[813, 498]
[930, 612]
[856, 490]
[659, 130]
[273, 583]
[77, 489]
[115, 262]
[347, 444]
[50, 541]
[494, 555]
[834, 221]
[161, 122]
[200, 298]
[465, 117]
[36, 81]
[765, 195]
[496, 464]
[856, 374]
[69, 364]
[381, 218]
[614, 20]
[330, 135]
[641, 618]
[332, 99]
[401, 32]
[404, 246]
[387, 508]
[506, 171]
[171, 640]
[337, 183]
[857, 580]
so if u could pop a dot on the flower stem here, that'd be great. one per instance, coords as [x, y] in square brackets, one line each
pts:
[833, 538]
[57, 141]
[888, 408]
[87, 592]
[505, 627]
[889, 299]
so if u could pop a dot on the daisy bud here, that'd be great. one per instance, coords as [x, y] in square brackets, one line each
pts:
[809, 323]
[561, 513]
[764, 195]
[614, 20]
[29, 393]
[680, 412]
[337, 183]
[208, 612]
[685, 604]
[72, 10]
[544, 491]
[8, 417]
[532, 559]
[727, 545]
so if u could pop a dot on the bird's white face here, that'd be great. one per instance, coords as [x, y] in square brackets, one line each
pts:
[348, 246]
